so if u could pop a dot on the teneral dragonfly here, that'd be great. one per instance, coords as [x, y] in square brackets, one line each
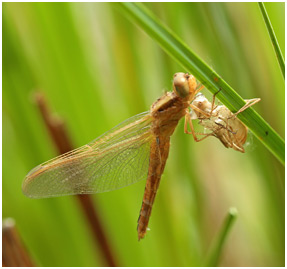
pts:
[135, 149]
[222, 123]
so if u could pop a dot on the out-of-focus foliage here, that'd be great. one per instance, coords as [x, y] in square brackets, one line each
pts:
[97, 69]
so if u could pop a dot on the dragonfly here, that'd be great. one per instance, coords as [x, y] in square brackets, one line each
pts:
[135, 149]
[222, 123]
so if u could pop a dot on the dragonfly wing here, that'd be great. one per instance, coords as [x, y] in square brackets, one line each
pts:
[116, 159]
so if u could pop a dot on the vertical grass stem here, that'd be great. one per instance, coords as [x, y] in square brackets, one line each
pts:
[218, 244]
[273, 38]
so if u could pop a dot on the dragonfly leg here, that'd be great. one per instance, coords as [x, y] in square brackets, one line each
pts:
[238, 148]
[249, 103]
[198, 89]
[226, 126]
[207, 115]
[188, 121]
[213, 107]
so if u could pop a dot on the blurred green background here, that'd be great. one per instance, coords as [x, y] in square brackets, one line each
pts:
[97, 69]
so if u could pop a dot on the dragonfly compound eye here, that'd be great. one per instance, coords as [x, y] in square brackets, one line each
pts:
[180, 84]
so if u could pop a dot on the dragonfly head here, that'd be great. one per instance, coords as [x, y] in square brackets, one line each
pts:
[184, 84]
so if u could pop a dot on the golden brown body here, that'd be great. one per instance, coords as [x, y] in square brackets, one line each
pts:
[166, 113]
[133, 150]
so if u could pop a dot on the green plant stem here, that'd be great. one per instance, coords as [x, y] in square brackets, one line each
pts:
[177, 49]
[218, 243]
[273, 38]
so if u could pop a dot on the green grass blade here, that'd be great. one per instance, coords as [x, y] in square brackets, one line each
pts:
[217, 245]
[273, 38]
[178, 50]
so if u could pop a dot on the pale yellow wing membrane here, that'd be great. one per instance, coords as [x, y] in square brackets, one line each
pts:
[116, 159]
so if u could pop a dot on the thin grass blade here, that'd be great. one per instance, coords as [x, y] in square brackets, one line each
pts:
[218, 244]
[273, 38]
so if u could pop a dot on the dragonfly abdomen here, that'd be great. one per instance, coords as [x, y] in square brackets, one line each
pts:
[158, 157]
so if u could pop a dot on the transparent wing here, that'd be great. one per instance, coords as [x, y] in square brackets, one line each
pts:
[116, 159]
